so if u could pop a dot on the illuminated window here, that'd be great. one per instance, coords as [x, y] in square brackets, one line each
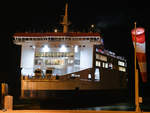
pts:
[97, 74]
[110, 66]
[54, 54]
[103, 64]
[106, 65]
[120, 63]
[70, 61]
[54, 62]
[97, 63]
[89, 76]
[103, 58]
[76, 49]
[97, 56]
[38, 62]
[122, 69]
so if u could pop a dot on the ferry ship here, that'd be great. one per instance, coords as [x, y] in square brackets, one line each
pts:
[61, 63]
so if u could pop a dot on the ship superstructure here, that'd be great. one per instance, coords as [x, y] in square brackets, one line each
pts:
[64, 52]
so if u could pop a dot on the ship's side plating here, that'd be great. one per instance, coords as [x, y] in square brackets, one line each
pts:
[43, 88]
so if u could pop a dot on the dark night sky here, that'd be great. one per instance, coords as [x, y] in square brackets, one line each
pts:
[114, 19]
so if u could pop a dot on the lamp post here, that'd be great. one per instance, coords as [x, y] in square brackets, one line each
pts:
[136, 76]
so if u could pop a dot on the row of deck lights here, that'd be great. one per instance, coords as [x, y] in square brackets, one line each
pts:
[63, 48]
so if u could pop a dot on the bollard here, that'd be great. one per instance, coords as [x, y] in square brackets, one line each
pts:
[8, 102]
[4, 92]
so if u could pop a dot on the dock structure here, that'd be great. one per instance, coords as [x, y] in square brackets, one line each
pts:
[67, 111]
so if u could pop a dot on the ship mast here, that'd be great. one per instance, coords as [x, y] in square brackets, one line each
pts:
[65, 22]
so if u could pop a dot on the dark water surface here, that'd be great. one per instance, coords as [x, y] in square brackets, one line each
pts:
[89, 101]
[79, 104]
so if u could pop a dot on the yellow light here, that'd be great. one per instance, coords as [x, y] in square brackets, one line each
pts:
[92, 25]
[55, 30]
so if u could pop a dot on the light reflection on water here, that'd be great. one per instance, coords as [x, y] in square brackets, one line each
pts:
[118, 107]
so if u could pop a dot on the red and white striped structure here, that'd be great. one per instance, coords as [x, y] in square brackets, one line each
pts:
[140, 51]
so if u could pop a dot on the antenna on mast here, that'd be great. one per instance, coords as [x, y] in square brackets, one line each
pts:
[65, 22]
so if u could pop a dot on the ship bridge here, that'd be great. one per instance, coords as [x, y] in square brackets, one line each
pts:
[64, 52]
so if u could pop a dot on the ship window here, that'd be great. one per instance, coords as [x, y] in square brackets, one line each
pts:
[38, 62]
[54, 62]
[103, 58]
[106, 65]
[97, 56]
[103, 64]
[97, 74]
[54, 54]
[70, 61]
[122, 69]
[110, 66]
[120, 63]
[98, 63]
[89, 76]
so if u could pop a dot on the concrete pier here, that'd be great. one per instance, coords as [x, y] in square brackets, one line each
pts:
[67, 111]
